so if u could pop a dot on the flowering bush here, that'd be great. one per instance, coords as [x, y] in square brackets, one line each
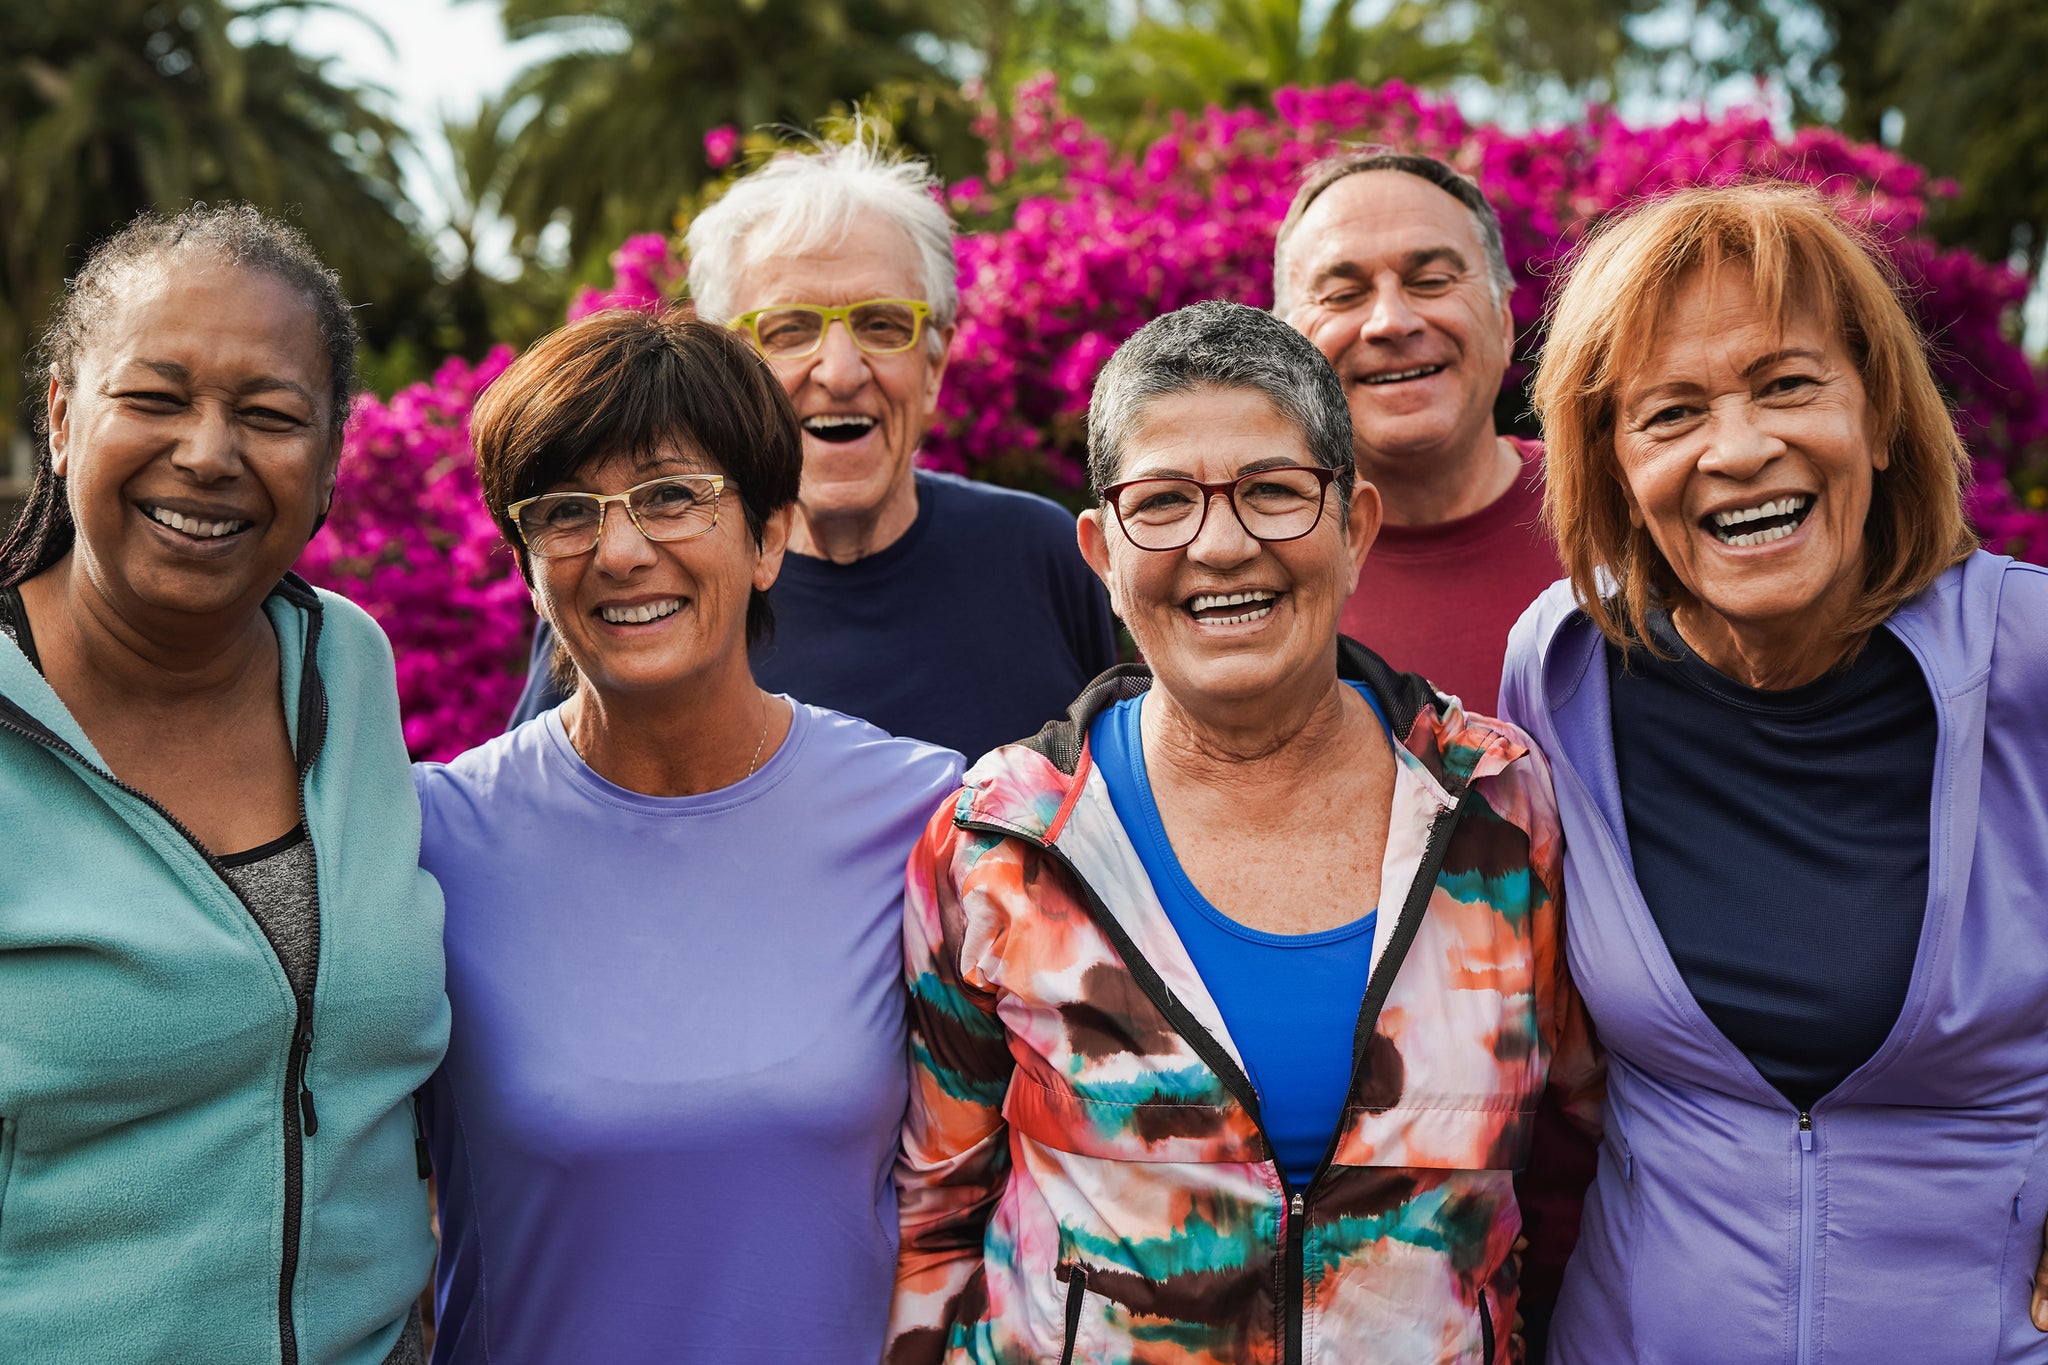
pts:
[1072, 245]
[410, 542]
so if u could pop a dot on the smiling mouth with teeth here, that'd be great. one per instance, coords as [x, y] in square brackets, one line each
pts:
[836, 428]
[1230, 609]
[194, 526]
[1761, 524]
[640, 615]
[1402, 376]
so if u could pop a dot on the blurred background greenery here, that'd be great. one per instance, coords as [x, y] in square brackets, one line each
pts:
[476, 230]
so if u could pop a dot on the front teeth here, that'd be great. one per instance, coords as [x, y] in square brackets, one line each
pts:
[1760, 537]
[1783, 507]
[192, 526]
[1209, 600]
[633, 616]
[1260, 601]
[1397, 376]
[833, 420]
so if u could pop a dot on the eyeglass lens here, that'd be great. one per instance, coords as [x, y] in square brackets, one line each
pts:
[878, 328]
[665, 509]
[1274, 504]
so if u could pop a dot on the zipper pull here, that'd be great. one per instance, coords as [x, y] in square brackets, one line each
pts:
[1805, 1131]
[1294, 1210]
[309, 1117]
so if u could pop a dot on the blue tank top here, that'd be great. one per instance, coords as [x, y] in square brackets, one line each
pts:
[1290, 1001]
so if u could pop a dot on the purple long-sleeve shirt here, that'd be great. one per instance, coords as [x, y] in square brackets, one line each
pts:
[666, 1123]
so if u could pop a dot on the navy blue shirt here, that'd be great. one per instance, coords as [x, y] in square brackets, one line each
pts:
[1780, 839]
[975, 627]
[1290, 1001]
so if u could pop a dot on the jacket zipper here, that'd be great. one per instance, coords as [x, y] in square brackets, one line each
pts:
[1077, 1291]
[1808, 1213]
[1294, 1203]
[298, 1099]
[1486, 1342]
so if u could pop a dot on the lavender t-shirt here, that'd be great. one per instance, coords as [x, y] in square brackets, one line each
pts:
[665, 1125]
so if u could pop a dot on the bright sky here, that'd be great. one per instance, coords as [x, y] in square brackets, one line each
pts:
[441, 59]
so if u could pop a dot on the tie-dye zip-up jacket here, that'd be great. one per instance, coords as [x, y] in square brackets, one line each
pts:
[1084, 1177]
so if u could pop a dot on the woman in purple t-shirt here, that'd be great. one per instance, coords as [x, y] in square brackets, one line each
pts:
[666, 1122]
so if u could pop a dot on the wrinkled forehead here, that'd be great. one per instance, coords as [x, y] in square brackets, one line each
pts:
[847, 250]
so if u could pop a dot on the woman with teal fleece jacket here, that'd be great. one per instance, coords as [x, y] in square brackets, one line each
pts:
[210, 1032]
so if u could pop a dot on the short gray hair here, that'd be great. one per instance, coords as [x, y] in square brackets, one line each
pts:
[804, 201]
[1445, 177]
[1219, 345]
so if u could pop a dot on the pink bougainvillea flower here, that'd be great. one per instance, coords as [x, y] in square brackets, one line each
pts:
[721, 144]
[1055, 276]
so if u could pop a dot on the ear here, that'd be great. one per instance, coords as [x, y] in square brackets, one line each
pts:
[58, 400]
[774, 543]
[1362, 529]
[1093, 534]
[937, 375]
[1507, 327]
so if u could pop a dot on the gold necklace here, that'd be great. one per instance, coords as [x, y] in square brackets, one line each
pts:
[764, 734]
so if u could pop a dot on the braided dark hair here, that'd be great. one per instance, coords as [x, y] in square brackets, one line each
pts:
[235, 233]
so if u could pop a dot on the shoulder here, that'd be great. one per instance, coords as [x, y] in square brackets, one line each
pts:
[845, 751]
[961, 500]
[347, 631]
[513, 763]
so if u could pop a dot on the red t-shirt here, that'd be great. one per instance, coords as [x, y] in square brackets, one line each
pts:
[1439, 600]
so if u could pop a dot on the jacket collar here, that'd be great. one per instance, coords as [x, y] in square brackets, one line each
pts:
[1029, 788]
[28, 701]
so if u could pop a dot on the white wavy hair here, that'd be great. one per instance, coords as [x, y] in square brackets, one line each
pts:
[805, 201]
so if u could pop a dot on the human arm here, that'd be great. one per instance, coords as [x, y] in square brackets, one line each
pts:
[954, 1161]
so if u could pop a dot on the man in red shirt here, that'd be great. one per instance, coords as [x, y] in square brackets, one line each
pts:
[1391, 263]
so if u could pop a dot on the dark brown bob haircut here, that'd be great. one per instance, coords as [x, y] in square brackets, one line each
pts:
[628, 383]
[1803, 262]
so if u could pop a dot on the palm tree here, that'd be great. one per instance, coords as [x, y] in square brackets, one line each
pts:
[108, 107]
[614, 132]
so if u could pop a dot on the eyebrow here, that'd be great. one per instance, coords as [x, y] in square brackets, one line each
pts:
[1414, 260]
[179, 374]
[1762, 362]
[1249, 467]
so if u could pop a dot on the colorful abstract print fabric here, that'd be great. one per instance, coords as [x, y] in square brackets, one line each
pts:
[1084, 1178]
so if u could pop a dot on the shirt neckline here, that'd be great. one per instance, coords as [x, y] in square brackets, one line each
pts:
[1153, 828]
[753, 787]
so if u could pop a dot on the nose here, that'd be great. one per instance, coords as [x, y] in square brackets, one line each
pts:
[1390, 318]
[1739, 441]
[210, 447]
[621, 548]
[839, 366]
[1222, 543]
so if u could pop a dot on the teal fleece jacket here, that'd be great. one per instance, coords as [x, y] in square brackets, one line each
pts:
[171, 1188]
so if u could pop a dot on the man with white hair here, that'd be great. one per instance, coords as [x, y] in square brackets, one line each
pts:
[1391, 263]
[928, 605]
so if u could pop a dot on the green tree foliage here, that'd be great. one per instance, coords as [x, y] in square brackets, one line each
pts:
[613, 131]
[108, 107]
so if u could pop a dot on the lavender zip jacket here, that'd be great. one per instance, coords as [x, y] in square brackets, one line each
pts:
[1900, 1221]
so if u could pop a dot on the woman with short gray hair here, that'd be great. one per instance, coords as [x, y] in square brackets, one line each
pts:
[1233, 992]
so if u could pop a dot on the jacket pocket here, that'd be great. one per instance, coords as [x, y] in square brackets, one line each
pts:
[1076, 1277]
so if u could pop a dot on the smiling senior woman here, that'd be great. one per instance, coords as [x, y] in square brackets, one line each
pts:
[665, 1126]
[1797, 725]
[1232, 993]
[211, 907]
